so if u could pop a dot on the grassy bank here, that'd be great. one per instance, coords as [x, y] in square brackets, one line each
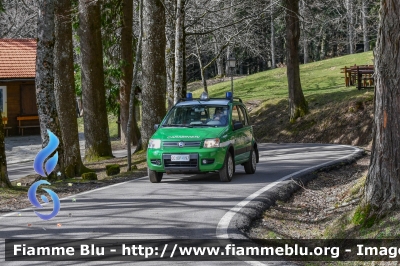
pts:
[338, 114]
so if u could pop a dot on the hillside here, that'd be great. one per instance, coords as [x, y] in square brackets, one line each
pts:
[338, 114]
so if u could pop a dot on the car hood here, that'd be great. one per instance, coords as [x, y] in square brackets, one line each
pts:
[188, 134]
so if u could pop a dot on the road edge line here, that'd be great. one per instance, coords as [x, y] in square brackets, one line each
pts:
[223, 227]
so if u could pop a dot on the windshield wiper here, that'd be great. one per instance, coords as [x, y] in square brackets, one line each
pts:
[199, 125]
[176, 125]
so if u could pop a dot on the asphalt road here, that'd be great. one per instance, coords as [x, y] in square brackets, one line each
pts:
[188, 207]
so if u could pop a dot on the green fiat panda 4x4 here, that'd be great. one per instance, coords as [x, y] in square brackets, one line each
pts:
[203, 135]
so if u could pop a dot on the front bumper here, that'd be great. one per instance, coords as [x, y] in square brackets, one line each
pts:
[201, 160]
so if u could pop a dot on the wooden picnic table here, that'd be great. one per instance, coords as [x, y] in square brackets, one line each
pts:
[360, 75]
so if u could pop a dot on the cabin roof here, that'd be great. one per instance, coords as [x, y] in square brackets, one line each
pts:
[17, 58]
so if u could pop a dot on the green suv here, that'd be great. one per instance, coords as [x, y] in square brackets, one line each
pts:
[203, 135]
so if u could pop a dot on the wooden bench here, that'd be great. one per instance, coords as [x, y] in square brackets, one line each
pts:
[6, 128]
[26, 118]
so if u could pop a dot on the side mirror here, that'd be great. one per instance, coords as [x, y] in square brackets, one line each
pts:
[237, 125]
[156, 126]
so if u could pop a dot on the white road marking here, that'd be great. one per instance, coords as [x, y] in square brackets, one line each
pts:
[75, 195]
[222, 228]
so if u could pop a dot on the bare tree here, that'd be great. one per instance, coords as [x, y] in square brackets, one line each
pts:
[64, 87]
[297, 103]
[364, 14]
[350, 25]
[273, 60]
[382, 191]
[97, 138]
[153, 65]
[19, 19]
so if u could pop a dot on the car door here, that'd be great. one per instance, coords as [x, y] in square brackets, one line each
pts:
[238, 135]
[248, 131]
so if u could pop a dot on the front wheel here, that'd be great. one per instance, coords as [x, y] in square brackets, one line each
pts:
[251, 165]
[155, 177]
[226, 172]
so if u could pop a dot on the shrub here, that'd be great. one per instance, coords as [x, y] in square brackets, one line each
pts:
[89, 176]
[112, 169]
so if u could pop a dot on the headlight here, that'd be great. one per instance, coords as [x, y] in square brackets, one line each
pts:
[211, 143]
[154, 144]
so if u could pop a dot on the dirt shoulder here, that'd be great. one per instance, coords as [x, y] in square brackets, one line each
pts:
[345, 121]
[310, 211]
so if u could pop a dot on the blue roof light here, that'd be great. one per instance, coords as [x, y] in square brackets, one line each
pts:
[229, 95]
[189, 96]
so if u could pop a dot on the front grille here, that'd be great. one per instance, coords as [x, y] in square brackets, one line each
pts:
[186, 144]
[192, 164]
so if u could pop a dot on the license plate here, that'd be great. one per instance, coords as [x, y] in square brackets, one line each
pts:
[180, 158]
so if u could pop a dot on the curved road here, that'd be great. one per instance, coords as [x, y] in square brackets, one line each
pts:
[197, 206]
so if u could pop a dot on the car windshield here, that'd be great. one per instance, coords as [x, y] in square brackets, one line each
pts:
[197, 116]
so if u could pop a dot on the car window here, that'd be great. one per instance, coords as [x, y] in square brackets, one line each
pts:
[235, 115]
[197, 115]
[243, 115]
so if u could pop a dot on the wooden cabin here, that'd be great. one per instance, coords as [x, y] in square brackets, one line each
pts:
[17, 86]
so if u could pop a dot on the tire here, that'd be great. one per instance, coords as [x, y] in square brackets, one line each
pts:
[251, 165]
[155, 177]
[226, 172]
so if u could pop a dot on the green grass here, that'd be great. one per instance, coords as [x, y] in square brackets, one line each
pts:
[112, 125]
[318, 78]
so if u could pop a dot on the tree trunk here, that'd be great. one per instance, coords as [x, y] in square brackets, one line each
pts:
[97, 137]
[153, 65]
[179, 49]
[297, 103]
[132, 124]
[127, 66]
[228, 55]
[273, 60]
[184, 77]
[202, 69]
[219, 60]
[305, 39]
[4, 181]
[350, 25]
[383, 181]
[169, 52]
[64, 87]
[45, 98]
[323, 47]
[365, 25]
